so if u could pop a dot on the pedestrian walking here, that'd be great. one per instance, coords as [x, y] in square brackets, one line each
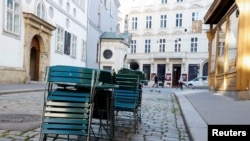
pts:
[181, 83]
[163, 80]
[156, 81]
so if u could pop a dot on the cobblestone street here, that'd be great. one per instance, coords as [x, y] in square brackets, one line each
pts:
[161, 118]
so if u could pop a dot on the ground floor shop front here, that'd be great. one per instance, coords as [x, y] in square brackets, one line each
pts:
[169, 69]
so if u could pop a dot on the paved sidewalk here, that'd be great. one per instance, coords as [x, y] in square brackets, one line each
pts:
[203, 107]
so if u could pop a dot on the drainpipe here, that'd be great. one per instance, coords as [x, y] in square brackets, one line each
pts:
[87, 38]
[99, 53]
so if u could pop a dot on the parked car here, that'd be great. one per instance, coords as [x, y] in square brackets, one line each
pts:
[197, 82]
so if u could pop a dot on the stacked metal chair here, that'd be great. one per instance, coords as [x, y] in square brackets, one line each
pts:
[68, 103]
[141, 78]
[103, 109]
[127, 97]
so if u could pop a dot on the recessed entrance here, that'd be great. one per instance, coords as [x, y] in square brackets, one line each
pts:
[146, 70]
[161, 69]
[176, 74]
[34, 59]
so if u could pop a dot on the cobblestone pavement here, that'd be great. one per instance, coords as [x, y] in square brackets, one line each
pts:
[161, 118]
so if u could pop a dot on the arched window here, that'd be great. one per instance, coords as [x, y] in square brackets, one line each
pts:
[40, 10]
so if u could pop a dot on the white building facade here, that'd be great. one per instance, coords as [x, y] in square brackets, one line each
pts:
[168, 38]
[36, 34]
[114, 49]
[102, 17]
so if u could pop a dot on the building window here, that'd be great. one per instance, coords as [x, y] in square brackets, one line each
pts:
[163, 21]
[67, 44]
[105, 3]
[147, 46]
[107, 54]
[177, 45]
[162, 45]
[40, 10]
[73, 46]
[133, 46]
[84, 45]
[148, 22]
[194, 44]
[195, 16]
[80, 3]
[134, 23]
[178, 20]
[164, 1]
[59, 39]
[12, 17]
[232, 43]
[221, 48]
[109, 68]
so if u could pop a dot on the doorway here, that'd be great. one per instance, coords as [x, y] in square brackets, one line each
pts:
[205, 70]
[146, 70]
[193, 71]
[34, 59]
[161, 69]
[176, 74]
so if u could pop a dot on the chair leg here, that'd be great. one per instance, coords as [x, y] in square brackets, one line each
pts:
[43, 137]
[57, 137]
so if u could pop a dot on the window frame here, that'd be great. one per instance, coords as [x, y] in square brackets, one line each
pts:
[148, 22]
[60, 40]
[84, 48]
[194, 44]
[163, 21]
[73, 46]
[133, 46]
[195, 16]
[147, 46]
[162, 45]
[134, 23]
[40, 10]
[177, 45]
[221, 48]
[178, 20]
[164, 1]
[12, 13]
[80, 3]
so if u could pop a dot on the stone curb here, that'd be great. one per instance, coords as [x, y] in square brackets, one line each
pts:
[197, 127]
[20, 91]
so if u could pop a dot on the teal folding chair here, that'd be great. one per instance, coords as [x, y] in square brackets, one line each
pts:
[67, 111]
[126, 97]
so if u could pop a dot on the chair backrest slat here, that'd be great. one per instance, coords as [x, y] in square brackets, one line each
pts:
[70, 74]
